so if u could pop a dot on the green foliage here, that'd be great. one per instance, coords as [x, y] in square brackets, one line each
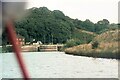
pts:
[4, 38]
[6, 49]
[73, 42]
[48, 26]
[0, 49]
[79, 37]
[43, 25]
[82, 36]
[94, 27]
[70, 43]
[101, 25]
[95, 45]
[86, 25]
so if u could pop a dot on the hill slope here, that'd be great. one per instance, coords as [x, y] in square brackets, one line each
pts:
[85, 36]
[107, 47]
[108, 36]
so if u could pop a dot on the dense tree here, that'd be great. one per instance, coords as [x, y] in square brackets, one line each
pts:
[48, 26]
[45, 25]
[89, 26]
[101, 25]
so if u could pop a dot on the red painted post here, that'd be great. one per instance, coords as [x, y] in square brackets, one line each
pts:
[16, 48]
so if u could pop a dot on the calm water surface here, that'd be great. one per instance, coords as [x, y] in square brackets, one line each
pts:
[58, 65]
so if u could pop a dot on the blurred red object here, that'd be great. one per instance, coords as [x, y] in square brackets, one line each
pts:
[16, 48]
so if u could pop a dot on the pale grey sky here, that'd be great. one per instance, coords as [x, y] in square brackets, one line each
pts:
[94, 10]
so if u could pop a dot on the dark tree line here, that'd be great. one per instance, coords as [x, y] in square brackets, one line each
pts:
[48, 26]
[98, 27]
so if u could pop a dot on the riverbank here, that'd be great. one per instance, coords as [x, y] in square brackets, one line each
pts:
[34, 48]
[104, 50]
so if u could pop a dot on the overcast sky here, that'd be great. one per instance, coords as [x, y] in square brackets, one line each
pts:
[94, 10]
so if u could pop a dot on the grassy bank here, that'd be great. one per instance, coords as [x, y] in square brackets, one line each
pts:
[104, 50]
[104, 54]
[104, 45]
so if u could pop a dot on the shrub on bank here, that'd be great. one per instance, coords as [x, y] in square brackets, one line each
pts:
[95, 45]
[6, 49]
[73, 42]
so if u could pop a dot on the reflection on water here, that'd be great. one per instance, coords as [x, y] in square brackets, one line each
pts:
[60, 65]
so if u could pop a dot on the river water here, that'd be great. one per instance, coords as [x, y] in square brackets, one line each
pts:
[58, 65]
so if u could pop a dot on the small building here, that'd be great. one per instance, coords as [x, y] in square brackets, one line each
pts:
[21, 40]
[37, 43]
